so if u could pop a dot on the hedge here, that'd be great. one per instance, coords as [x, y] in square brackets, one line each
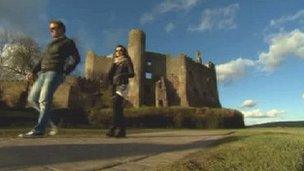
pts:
[171, 117]
[28, 117]
[144, 117]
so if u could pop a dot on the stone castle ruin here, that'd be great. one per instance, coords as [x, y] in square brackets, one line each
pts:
[160, 80]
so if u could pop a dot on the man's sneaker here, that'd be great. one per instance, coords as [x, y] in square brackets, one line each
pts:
[53, 131]
[31, 134]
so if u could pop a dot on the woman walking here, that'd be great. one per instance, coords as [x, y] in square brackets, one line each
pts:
[120, 72]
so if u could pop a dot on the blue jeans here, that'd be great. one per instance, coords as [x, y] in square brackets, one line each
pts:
[41, 96]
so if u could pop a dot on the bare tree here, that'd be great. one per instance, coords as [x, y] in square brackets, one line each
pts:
[18, 54]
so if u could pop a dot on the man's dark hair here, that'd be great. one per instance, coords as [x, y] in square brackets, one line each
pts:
[59, 23]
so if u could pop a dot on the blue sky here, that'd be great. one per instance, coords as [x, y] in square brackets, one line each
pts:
[257, 46]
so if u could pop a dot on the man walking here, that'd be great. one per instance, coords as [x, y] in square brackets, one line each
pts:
[52, 68]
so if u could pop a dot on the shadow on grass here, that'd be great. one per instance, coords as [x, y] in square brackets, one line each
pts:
[302, 163]
[18, 157]
[182, 135]
[227, 140]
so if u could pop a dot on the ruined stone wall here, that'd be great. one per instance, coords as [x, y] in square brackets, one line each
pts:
[201, 85]
[77, 93]
[13, 93]
[74, 93]
[62, 96]
[96, 67]
[161, 96]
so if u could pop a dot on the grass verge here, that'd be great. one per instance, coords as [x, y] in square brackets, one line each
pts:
[250, 149]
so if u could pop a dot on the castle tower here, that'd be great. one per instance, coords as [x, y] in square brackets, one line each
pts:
[89, 65]
[183, 79]
[136, 49]
[216, 103]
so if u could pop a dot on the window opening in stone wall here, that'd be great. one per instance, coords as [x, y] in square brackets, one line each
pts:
[160, 102]
[149, 63]
[204, 94]
[147, 89]
[148, 75]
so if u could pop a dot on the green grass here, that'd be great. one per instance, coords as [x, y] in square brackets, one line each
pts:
[250, 150]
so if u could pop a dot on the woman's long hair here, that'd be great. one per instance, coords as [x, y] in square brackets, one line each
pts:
[124, 50]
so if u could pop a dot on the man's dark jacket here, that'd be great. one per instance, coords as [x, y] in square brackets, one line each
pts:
[56, 57]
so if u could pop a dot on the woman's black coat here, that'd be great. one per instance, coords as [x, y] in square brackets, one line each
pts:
[121, 72]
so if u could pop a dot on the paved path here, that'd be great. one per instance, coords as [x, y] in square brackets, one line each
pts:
[144, 151]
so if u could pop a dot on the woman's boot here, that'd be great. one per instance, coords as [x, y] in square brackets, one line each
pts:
[121, 133]
[111, 132]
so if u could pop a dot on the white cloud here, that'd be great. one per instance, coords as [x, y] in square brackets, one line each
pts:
[274, 113]
[285, 24]
[169, 27]
[287, 19]
[249, 103]
[257, 113]
[146, 18]
[167, 6]
[303, 95]
[233, 70]
[282, 46]
[220, 18]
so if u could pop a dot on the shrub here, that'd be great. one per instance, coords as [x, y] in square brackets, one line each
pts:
[69, 118]
[221, 118]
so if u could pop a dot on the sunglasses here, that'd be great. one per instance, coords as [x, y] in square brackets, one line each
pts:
[52, 29]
